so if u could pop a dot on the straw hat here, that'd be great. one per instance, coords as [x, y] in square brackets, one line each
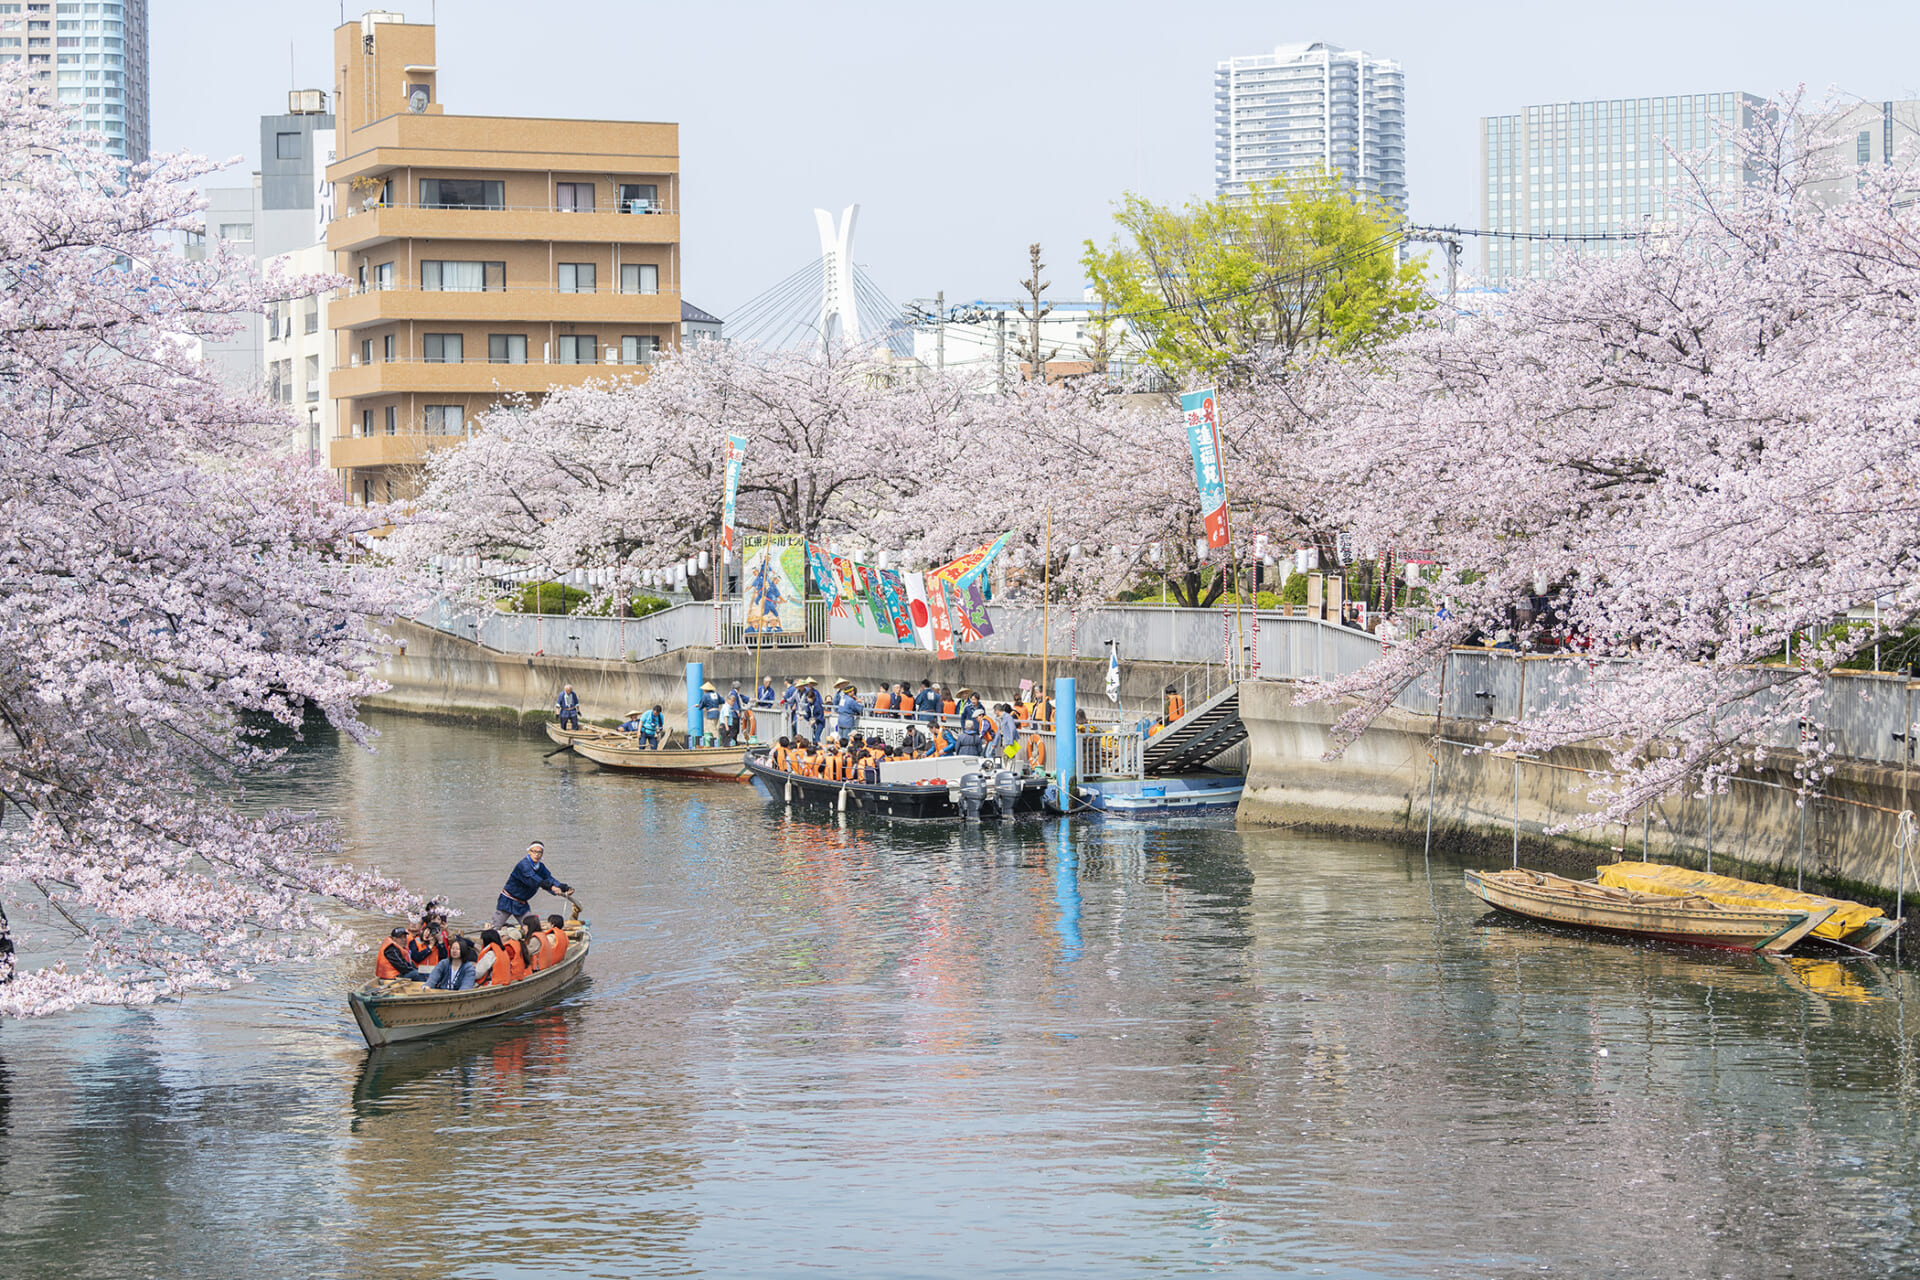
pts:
[708, 686]
[634, 714]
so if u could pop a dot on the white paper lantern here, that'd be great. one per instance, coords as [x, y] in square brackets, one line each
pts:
[704, 561]
[1153, 552]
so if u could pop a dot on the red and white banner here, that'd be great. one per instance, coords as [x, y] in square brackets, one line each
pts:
[919, 613]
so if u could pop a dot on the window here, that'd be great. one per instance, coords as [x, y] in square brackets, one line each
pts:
[639, 197]
[507, 348]
[576, 277]
[443, 348]
[462, 193]
[393, 420]
[1863, 147]
[366, 492]
[236, 231]
[445, 420]
[366, 422]
[581, 348]
[312, 319]
[273, 323]
[286, 146]
[366, 351]
[389, 342]
[363, 275]
[383, 276]
[462, 277]
[573, 197]
[313, 379]
[644, 349]
[639, 277]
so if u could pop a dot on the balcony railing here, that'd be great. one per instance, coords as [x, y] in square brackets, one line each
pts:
[374, 286]
[618, 206]
[609, 356]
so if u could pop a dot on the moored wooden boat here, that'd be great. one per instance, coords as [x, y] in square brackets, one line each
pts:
[1852, 924]
[1540, 895]
[395, 1010]
[567, 737]
[621, 751]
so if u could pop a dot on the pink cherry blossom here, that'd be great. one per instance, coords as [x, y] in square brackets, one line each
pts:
[168, 591]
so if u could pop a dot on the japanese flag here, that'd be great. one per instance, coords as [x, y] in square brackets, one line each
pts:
[917, 610]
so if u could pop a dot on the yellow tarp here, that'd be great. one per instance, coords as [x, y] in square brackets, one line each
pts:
[1655, 877]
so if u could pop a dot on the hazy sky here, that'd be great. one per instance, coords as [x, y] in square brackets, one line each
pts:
[965, 131]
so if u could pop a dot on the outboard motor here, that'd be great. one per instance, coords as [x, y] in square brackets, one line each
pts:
[1006, 791]
[973, 793]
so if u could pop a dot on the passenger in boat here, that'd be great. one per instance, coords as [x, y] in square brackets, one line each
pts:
[492, 952]
[653, 726]
[967, 742]
[557, 939]
[509, 962]
[926, 703]
[394, 960]
[1006, 731]
[569, 704]
[781, 757]
[527, 878]
[459, 970]
[631, 724]
[422, 948]
[533, 942]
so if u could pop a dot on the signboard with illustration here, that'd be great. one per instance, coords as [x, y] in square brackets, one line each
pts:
[773, 582]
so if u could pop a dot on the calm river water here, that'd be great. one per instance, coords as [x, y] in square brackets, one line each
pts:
[869, 1050]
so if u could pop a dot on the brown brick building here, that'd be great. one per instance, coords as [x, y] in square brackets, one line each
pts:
[487, 255]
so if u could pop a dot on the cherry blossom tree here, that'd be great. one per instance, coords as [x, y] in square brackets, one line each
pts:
[169, 593]
[1705, 451]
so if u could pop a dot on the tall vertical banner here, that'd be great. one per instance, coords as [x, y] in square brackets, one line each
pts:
[940, 616]
[823, 579]
[736, 454]
[891, 590]
[1202, 410]
[919, 609]
[774, 569]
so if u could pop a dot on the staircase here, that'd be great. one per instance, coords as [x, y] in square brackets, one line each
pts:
[1197, 737]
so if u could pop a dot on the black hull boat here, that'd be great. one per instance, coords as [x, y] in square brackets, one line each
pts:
[949, 789]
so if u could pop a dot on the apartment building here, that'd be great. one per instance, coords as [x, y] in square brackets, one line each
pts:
[1307, 107]
[1554, 173]
[488, 256]
[95, 54]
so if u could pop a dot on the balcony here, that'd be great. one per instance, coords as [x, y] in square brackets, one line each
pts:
[361, 228]
[471, 377]
[408, 449]
[358, 308]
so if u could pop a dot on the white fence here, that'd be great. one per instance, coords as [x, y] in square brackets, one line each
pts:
[1865, 715]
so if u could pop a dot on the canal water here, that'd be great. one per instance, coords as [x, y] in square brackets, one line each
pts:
[856, 1049]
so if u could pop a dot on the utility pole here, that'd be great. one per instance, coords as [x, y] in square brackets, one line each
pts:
[1449, 241]
[1000, 352]
[940, 330]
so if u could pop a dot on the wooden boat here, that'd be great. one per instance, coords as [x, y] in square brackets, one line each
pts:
[1852, 924]
[623, 751]
[567, 737]
[1540, 895]
[394, 1010]
[935, 788]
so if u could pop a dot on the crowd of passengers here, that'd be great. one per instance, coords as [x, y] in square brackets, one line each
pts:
[430, 953]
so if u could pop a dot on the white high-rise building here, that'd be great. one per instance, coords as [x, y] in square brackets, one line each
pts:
[94, 52]
[1305, 107]
[1571, 169]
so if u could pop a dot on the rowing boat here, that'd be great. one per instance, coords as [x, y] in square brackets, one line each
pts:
[567, 737]
[1540, 895]
[395, 1009]
[622, 752]
[1852, 924]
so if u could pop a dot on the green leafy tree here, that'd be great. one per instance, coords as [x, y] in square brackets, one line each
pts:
[1298, 264]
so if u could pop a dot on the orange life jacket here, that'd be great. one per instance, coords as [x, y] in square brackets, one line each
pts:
[949, 707]
[556, 942]
[383, 967]
[883, 701]
[782, 758]
[516, 962]
[1176, 707]
[502, 972]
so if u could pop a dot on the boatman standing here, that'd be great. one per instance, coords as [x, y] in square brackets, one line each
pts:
[527, 879]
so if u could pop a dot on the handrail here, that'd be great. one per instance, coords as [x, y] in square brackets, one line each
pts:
[356, 290]
[503, 208]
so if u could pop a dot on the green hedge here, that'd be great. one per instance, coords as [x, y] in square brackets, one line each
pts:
[557, 597]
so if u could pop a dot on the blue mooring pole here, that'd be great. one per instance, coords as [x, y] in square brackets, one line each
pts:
[696, 718]
[1066, 740]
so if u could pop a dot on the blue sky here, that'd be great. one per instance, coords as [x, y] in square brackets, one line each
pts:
[967, 131]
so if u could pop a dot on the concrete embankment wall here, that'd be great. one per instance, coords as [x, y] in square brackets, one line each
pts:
[433, 673]
[1379, 785]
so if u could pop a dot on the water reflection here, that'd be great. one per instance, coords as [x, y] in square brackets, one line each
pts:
[818, 1042]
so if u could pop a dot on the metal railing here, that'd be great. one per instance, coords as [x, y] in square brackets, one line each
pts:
[635, 208]
[735, 634]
